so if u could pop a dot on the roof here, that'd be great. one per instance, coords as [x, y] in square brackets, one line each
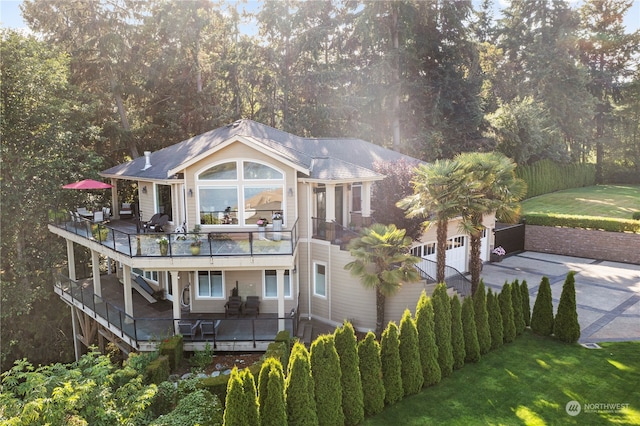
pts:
[322, 159]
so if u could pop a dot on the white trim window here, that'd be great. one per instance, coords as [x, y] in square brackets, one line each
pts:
[320, 279]
[270, 284]
[210, 285]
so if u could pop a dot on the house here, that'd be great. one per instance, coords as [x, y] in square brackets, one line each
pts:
[228, 181]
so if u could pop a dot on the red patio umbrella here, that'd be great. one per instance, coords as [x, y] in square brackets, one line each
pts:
[87, 184]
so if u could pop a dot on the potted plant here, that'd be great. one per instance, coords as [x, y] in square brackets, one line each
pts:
[498, 254]
[262, 224]
[163, 243]
[195, 243]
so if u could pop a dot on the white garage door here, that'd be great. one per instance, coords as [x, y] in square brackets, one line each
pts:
[456, 256]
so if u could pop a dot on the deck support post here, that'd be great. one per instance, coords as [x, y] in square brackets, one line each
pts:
[280, 284]
[175, 290]
[128, 289]
[95, 268]
[74, 321]
[71, 260]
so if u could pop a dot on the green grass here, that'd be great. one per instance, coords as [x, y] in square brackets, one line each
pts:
[530, 382]
[616, 201]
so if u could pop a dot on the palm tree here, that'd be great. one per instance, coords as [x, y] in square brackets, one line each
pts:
[440, 191]
[383, 262]
[496, 189]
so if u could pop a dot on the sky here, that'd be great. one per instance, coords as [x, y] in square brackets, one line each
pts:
[10, 14]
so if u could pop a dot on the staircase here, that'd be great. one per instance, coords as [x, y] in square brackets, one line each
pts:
[453, 278]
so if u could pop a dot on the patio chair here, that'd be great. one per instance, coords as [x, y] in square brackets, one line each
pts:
[159, 226]
[252, 306]
[107, 212]
[187, 328]
[154, 220]
[98, 217]
[209, 328]
[126, 210]
[232, 307]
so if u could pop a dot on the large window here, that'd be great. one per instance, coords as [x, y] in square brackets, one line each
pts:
[210, 284]
[239, 192]
[271, 284]
[320, 279]
[163, 200]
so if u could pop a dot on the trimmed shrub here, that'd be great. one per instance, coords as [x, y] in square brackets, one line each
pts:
[542, 315]
[271, 404]
[250, 398]
[411, 370]
[427, 341]
[299, 388]
[165, 399]
[371, 374]
[469, 328]
[234, 413]
[457, 334]
[442, 322]
[635, 216]
[391, 368]
[198, 407]
[546, 176]
[495, 320]
[610, 224]
[481, 316]
[566, 326]
[516, 301]
[173, 348]
[326, 374]
[352, 396]
[158, 370]
[506, 310]
[526, 303]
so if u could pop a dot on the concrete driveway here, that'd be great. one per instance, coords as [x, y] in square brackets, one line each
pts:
[607, 293]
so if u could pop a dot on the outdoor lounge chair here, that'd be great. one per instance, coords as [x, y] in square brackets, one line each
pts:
[208, 328]
[126, 210]
[159, 226]
[153, 221]
[232, 307]
[187, 328]
[98, 217]
[252, 306]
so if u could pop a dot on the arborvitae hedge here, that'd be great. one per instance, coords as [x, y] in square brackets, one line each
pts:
[273, 411]
[516, 300]
[546, 176]
[352, 397]
[442, 322]
[481, 315]
[566, 326]
[411, 370]
[371, 374]
[326, 374]
[251, 416]
[506, 310]
[542, 315]
[391, 369]
[427, 341]
[236, 403]
[299, 389]
[457, 334]
[471, 345]
[526, 303]
[495, 320]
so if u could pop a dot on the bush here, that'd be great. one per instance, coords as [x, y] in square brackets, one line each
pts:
[326, 374]
[546, 176]
[506, 310]
[635, 216]
[371, 374]
[481, 316]
[201, 359]
[526, 303]
[542, 315]
[235, 405]
[158, 370]
[516, 300]
[173, 348]
[442, 322]
[391, 369]
[411, 370]
[165, 399]
[609, 224]
[457, 334]
[352, 396]
[271, 394]
[469, 328]
[198, 407]
[495, 320]
[299, 388]
[427, 341]
[566, 326]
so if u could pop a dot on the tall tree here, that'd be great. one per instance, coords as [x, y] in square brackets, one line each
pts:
[352, 393]
[326, 374]
[299, 388]
[427, 341]
[371, 374]
[383, 262]
[391, 364]
[410, 367]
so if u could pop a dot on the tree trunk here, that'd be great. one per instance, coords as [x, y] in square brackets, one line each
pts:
[133, 149]
[475, 264]
[395, 79]
[441, 251]
[380, 300]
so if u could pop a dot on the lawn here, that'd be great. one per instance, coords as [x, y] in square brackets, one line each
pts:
[618, 201]
[530, 382]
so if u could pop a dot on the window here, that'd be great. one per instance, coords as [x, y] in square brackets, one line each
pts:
[149, 275]
[163, 200]
[271, 284]
[455, 242]
[424, 250]
[224, 171]
[320, 280]
[260, 171]
[356, 197]
[210, 284]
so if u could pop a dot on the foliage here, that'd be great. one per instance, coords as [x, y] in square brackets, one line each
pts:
[542, 314]
[371, 374]
[495, 320]
[166, 399]
[352, 393]
[410, 366]
[272, 409]
[299, 388]
[526, 303]
[457, 333]
[391, 368]
[546, 176]
[506, 310]
[585, 222]
[327, 376]
[442, 323]
[241, 406]
[471, 345]
[173, 348]
[198, 407]
[158, 370]
[516, 300]
[427, 341]
[565, 325]
[481, 316]
[201, 359]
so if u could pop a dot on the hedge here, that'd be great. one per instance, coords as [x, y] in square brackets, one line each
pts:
[546, 176]
[585, 222]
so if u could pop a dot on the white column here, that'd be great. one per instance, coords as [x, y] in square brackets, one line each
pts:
[95, 268]
[366, 199]
[128, 295]
[175, 288]
[280, 284]
[71, 260]
[331, 203]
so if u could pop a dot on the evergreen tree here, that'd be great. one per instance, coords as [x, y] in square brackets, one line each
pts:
[427, 341]
[299, 389]
[471, 345]
[411, 370]
[391, 368]
[542, 315]
[457, 334]
[566, 326]
[482, 318]
[326, 374]
[495, 320]
[234, 412]
[273, 411]
[251, 414]
[442, 322]
[506, 310]
[516, 300]
[352, 397]
[526, 303]
[371, 374]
